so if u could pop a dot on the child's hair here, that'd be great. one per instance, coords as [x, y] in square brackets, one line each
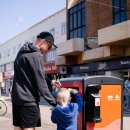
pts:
[63, 95]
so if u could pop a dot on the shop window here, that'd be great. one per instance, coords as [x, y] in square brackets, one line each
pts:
[126, 75]
[119, 11]
[96, 73]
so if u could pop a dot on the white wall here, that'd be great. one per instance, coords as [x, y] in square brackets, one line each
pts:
[52, 22]
[20, 39]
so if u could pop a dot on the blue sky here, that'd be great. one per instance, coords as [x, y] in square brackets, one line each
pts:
[18, 15]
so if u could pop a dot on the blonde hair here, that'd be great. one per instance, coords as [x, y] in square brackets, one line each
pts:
[63, 95]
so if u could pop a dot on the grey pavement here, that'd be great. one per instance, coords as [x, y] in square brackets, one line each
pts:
[6, 121]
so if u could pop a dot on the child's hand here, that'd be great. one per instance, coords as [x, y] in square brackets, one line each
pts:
[73, 90]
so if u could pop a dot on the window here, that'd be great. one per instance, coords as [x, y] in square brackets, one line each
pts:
[8, 66]
[14, 50]
[119, 11]
[52, 31]
[2, 68]
[76, 16]
[25, 41]
[8, 52]
[4, 54]
[51, 56]
[19, 46]
[33, 39]
[0, 55]
[63, 28]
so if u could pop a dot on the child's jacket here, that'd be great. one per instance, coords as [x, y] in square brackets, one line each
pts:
[66, 118]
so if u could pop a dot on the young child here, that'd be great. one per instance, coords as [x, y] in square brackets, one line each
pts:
[65, 113]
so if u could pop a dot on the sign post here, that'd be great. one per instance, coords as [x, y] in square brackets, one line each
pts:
[63, 70]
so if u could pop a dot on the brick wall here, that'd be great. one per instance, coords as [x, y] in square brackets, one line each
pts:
[128, 9]
[97, 16]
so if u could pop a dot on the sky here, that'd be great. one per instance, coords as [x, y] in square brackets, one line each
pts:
[18, 15]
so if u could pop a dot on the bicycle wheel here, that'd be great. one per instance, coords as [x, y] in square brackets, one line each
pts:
[3, 107]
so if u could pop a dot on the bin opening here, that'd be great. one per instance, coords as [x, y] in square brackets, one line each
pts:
[72, 95]
[93, 103]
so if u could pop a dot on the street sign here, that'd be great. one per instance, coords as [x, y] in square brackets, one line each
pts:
[63, 70]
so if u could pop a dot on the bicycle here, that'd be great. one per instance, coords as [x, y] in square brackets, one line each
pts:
[3, 107]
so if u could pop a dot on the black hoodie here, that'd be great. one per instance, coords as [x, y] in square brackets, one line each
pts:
[29, 78]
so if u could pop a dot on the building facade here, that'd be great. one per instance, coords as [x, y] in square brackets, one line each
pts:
[97, 38]
[56, 24]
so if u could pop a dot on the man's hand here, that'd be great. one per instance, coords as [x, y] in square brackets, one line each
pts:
[56, 83]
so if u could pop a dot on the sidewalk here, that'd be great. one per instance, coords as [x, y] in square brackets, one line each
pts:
[6, 121]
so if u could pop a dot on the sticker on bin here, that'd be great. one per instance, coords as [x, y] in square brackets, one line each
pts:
[97, 101]
[95, 95]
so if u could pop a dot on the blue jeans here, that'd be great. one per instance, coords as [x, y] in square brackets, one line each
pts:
[126, 105]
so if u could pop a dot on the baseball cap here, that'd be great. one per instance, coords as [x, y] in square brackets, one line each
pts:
[47, 36]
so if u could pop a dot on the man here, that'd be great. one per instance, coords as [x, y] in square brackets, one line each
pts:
[126, 93]
[29, 83]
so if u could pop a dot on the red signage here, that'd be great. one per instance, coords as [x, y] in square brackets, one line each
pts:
[7, 77]
[51, 68]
